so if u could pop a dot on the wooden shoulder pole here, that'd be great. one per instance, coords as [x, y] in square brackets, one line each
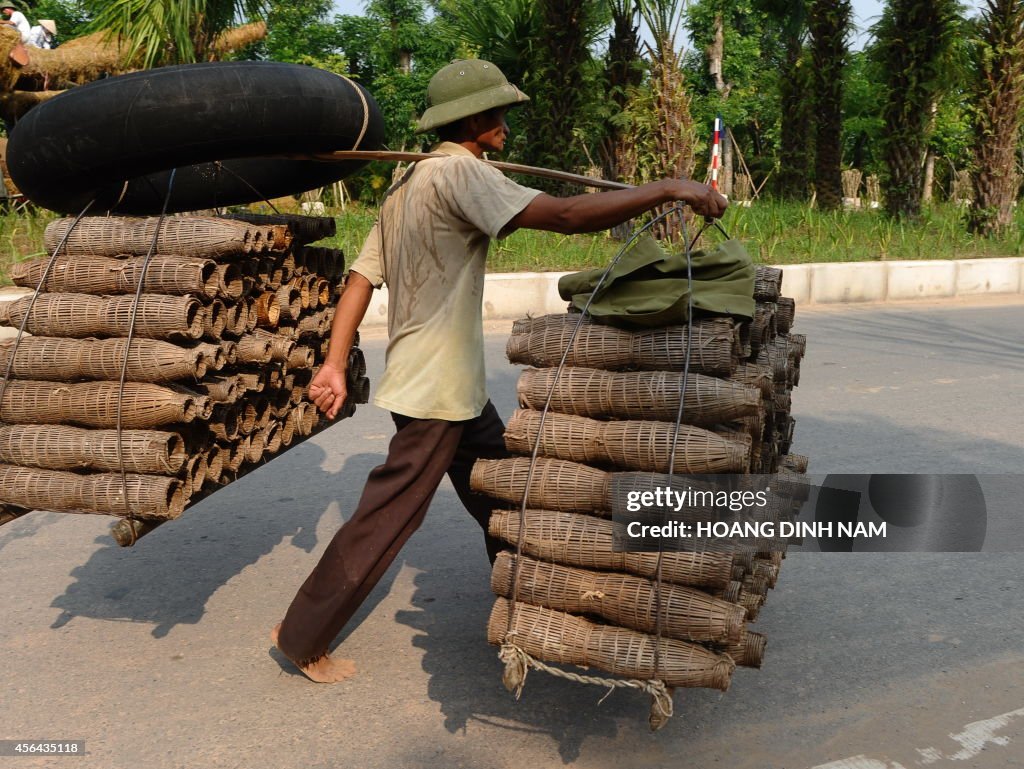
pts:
[411, 157]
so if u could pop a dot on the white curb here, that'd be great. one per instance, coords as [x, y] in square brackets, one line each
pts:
[513, 295]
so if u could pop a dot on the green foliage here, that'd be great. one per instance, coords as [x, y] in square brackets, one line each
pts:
[170, 31]
[394, 50]
[299, 31]
[501, 31]
[70, 16]
[863, 124]
[752, 60]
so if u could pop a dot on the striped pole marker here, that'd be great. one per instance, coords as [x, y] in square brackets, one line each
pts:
[716, 150]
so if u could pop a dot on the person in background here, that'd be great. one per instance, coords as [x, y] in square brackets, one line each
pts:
[42, 34]
[16, 19]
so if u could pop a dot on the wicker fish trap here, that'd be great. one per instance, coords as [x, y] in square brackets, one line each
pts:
[60, 359]
[252, 348]
[101, 275]
[712, 346]
[303, 229]
[767, 283]
[631, 445]
[59, 447]
[588, 542]
[762, 327]
[795, 462]
[214, 319]
[149, 496]
[785, 314]
[207, 237]
[636, 395]
[748, 652]
[231, 283]
[756, 375]
[96, 404]
[554, 484]
[798, 344]
[219, 426]
[81, 315]
[555, 636]
[621, 599]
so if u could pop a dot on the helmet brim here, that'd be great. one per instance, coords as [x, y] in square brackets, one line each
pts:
[506, 95]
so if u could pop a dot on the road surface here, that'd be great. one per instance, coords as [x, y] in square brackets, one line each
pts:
[157, 656]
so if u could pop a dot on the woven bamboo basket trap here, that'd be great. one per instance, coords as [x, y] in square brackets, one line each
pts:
[228, 329]
[598, 415]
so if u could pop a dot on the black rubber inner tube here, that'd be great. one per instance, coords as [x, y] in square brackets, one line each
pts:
[220, 124]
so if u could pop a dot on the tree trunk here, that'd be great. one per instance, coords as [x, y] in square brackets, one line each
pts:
[914, 40]
[622, 75]
[829, 24]
[999, 98]
[929, 178]
[795, 149]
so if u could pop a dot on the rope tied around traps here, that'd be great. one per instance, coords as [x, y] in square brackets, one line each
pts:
[518, 663]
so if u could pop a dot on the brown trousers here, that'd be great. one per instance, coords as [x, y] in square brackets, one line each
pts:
[394, 503]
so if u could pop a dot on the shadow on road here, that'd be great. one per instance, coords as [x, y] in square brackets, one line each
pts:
[168, 577]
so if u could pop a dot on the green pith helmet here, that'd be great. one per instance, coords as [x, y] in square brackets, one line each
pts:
[466, 87]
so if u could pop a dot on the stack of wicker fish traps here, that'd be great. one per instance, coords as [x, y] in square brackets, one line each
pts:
[141, 408]
[565, 595]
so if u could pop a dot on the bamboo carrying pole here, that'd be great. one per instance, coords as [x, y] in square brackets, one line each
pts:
[413, 157]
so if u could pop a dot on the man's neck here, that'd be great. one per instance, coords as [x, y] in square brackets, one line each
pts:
[472, 146]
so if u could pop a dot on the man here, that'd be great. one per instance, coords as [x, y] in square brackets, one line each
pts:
[16, 19]
[42, 34]
[429, 246]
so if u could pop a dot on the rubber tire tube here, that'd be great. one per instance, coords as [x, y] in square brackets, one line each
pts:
[223, 126]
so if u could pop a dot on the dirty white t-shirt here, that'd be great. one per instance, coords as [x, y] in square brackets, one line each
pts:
[437, 224]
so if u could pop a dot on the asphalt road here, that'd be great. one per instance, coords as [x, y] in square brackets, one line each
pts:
[157, 656]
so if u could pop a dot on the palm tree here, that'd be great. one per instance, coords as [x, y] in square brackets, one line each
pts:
[829, 25]
[561, 81]
[998, 99]
[915, 40]
[171, 31]
[623, 73]
[672, 129]
[795, 144]
[676, 136]
[502, 31]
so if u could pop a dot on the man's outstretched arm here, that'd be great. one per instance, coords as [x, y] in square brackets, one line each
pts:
[601, 211]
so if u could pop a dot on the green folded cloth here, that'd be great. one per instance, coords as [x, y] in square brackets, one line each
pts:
[648, 285]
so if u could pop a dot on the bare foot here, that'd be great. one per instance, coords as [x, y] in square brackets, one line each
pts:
[325, 670]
